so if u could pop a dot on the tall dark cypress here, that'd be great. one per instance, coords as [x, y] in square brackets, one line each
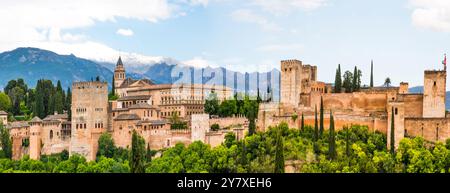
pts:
[113, 90]
[279, 152]
[355, 79]
[371, 74]
[69, 104]
[392, 148]
[338, 80]
[316, 127]
[303, 123]
[137, 154]
[347, 141]
[321, 118]
[332, 140]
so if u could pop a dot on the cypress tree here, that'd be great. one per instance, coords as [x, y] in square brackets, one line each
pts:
[149, 153]
[316, 129]
[279, 152]
[113, 90]
[321, 118]
[371, 74]
[332, 141]
[137, 154]
[347, 142]
[355, 80]
[5, 141]
[302, 123]
[392, 133]
[69, 104]
[338, 80]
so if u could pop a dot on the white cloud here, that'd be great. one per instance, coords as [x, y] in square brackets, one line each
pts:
[125, 32]
[431, 14]
[43, 24]
[280, 7]
[249, 16]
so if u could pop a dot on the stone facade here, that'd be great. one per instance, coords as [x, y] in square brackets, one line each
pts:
[89, 117]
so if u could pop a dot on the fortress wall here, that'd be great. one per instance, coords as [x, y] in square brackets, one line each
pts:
[229, 121]
[413, 105]
[373, 123]
[430, 129]
[358, 101]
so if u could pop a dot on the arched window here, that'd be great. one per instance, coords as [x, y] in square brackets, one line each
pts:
[51, 134]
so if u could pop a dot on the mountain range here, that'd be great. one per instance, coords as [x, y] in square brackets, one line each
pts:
[33, 64]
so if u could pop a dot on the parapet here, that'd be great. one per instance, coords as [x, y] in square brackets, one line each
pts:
[90, 84]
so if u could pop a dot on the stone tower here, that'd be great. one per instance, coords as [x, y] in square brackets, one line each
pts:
[119, 73]
[434, 94]
[398, 108]
[291, 82]
[35, 138]
[89, 117]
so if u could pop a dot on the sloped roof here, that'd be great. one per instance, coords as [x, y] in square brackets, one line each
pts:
[119, 62]
[55, 117]
[153, 122]
[3, 113]
[36, 120]
[17, 124]
[139, 97]
[141, 106]
[129, 81]
[127, 117]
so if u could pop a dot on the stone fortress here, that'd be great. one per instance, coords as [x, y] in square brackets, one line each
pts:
[142, 106]
[147, 108]
[414, 114]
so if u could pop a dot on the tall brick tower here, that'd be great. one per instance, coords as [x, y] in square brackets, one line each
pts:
[291, 82]
[434, 93]
[89, 117]
[119, 73]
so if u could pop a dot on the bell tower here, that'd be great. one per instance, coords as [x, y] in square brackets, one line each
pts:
[119, 73]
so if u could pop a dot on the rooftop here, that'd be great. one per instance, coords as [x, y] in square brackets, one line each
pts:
[3, 113]
[127, 117]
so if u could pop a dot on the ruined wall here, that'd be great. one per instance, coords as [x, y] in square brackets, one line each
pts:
[431, 129]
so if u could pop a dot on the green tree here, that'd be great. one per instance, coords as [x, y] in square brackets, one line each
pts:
[303, 123]
[316, 126]
[5, 102]
[149, 153]
[215, 127]
[338, 80]
[68, 104]
[5, 140]
[212, 104]
[230, 139]
[355, 79]
[106, 147]
[348, 82]
[332, 141]
[279, 151]
[387, 82]
[227, 108]
[392, 148]
[137, 154]
[321, 118]
[371, 74]
[294, 117]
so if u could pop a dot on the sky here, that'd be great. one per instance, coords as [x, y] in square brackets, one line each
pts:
[402, 37]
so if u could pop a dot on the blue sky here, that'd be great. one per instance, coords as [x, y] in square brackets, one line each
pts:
[403, 37]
